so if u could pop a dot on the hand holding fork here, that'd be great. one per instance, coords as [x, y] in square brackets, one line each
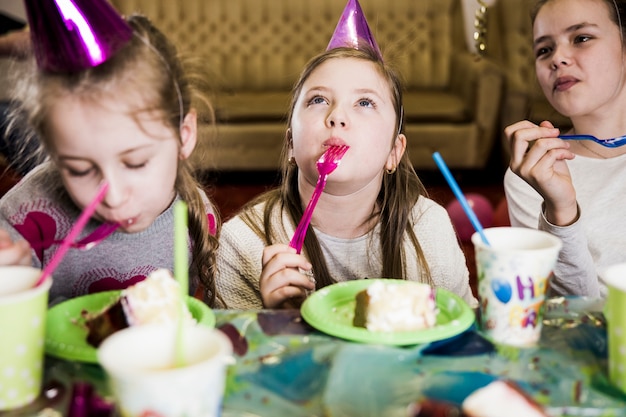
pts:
[281, 285]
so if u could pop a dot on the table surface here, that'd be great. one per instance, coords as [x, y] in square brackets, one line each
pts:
[284, 367]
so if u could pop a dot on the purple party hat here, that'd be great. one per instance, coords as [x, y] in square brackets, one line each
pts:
[73, 35]
[352, 29]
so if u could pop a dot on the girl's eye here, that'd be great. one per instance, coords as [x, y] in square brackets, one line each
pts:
[317, 100]
[542, 51]
[78, 173]
[366, 102]
[137, 165]
[582, 39]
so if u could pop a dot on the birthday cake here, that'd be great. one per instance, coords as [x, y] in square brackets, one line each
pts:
[394, 307]
[155, 300]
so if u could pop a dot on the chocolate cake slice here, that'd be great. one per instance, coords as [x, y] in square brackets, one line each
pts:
[156, 299]
[103, 324]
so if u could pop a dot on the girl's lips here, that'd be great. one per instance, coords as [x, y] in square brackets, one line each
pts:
[334, 141]
[126, 222]
[564, 83]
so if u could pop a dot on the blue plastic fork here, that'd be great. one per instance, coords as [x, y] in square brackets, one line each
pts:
[327, 163]
[609, 143]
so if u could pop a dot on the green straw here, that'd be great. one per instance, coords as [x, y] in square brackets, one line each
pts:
[181, 251]
[181, 271]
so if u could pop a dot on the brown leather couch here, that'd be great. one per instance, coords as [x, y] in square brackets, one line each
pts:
[255, 49]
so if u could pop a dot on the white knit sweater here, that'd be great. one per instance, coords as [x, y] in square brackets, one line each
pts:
[241, 250]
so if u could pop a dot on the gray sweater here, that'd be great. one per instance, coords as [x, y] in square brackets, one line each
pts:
[33, 211]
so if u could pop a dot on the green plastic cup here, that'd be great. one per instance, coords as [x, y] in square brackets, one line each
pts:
[615, 311]
[22, 329]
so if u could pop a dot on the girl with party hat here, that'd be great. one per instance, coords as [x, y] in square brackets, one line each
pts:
[110, 101]
[373, 218]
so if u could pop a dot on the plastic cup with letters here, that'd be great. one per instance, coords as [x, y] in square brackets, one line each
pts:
[513, 277]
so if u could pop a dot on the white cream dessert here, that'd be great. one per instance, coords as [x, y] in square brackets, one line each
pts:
[155, 300]
[392, 307]
[501, 398]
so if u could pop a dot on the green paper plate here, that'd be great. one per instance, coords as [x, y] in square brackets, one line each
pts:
[331, 310]
[67, 339]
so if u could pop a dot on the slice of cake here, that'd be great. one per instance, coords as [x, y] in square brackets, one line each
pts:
[498, 399]
[393, 307]
[153, 300]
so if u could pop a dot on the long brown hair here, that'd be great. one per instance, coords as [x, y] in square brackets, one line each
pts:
[398, 194]
[148, 72]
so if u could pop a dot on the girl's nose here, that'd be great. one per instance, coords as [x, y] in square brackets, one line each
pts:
[336, 118]
[116, 194]
[560, 58]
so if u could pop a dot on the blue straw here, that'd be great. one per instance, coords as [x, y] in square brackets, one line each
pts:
[460, 196]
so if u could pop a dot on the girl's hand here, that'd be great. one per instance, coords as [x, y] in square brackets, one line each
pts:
[281, 283]
[539, 157]
[14, 253]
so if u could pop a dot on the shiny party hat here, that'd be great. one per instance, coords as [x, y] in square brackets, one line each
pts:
[73, 35]
[352, 29]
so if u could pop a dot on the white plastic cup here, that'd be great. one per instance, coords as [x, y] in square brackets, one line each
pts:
[140, 364]
[513, 278]
[23, 310]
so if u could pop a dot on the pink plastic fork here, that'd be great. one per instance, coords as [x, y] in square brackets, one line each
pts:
[98, 235]
[327, 163]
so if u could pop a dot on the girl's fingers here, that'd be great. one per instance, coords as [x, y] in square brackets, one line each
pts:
[286, 297]
[5, 239]
[271, 251]
[529, 145]
[280, 278]
[279, 257]
[17, 253]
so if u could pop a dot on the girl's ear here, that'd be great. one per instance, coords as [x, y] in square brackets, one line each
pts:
[399, 146]
[188, 134]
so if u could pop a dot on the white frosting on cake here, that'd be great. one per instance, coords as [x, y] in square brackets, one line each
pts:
[400, 307]
[495, 398]
[156, 299]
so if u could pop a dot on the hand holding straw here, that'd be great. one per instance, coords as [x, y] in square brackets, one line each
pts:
[181, 271]
[460, 196]
[73, 234]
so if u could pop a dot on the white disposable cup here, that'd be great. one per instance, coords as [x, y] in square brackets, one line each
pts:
[513, 277]
[140, 363]
[23, 310]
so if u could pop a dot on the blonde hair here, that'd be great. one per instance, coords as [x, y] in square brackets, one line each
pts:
[149, 73]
